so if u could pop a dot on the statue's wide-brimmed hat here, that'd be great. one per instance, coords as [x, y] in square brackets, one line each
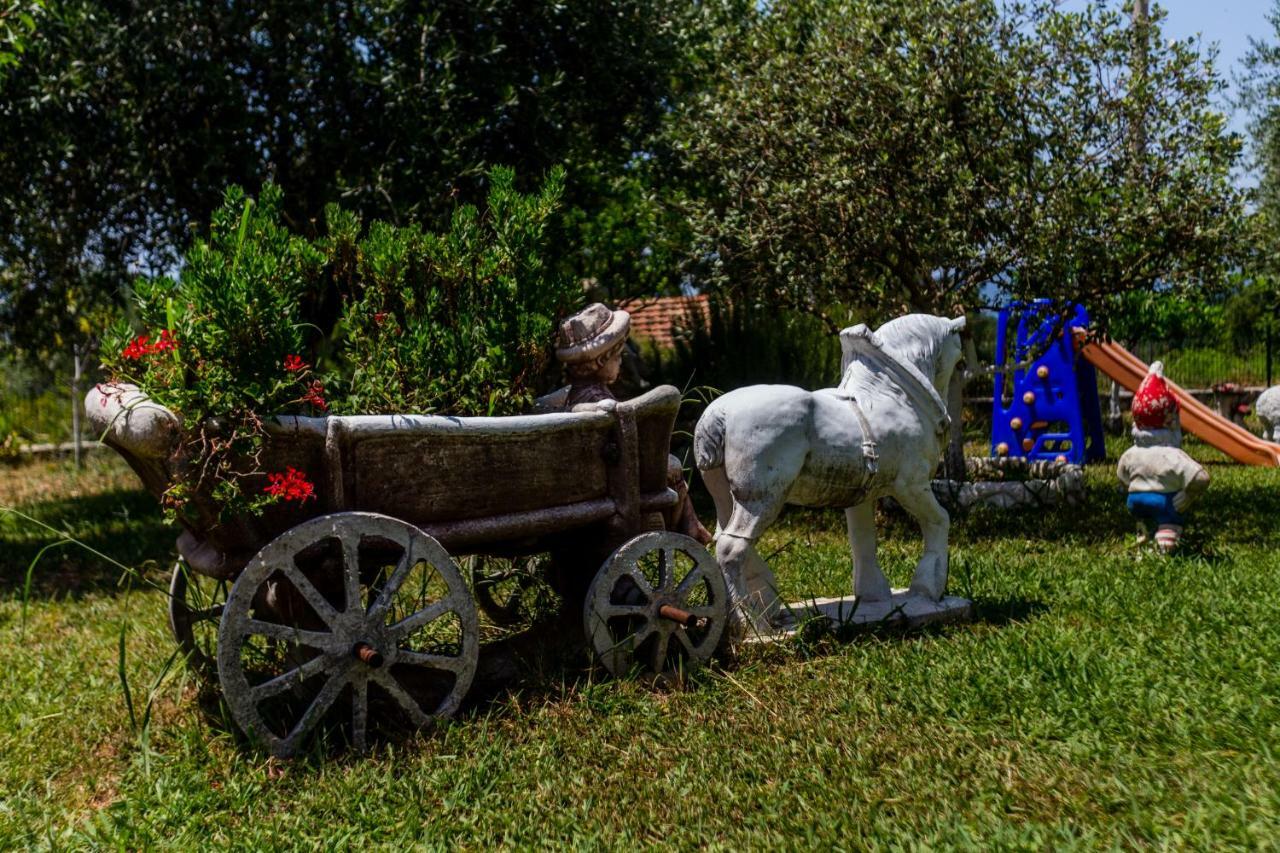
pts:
[1154, 405]
[591, 333]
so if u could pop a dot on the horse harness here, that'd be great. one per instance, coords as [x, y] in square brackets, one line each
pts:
[870, 458]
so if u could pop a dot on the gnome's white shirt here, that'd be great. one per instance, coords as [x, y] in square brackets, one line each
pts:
[1158, 469]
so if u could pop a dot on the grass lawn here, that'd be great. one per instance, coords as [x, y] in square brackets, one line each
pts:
[1102, 697]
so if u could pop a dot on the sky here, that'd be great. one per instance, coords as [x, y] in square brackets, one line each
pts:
[1229, 23]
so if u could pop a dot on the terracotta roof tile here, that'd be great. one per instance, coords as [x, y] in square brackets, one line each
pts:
[664, 319]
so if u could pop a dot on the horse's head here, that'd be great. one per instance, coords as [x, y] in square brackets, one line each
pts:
[931, 344]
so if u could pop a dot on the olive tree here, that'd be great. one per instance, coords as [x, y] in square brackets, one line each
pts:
[867, 157]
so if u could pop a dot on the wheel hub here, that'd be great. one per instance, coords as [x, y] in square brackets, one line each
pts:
[367, 654]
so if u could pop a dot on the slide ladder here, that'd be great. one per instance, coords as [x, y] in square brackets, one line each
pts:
[1046, 409]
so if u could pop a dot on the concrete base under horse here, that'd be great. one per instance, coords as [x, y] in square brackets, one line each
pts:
[903, 610]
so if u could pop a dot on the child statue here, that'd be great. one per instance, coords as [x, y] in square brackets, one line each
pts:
[590, 347]
[1163, 481]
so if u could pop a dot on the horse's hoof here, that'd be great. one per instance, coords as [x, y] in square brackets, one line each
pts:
[930, 579]
[924, 592]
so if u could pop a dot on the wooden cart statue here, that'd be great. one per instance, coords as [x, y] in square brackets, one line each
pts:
[347, 612]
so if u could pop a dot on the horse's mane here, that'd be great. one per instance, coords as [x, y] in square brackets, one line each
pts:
[906, 351]
[916, 338]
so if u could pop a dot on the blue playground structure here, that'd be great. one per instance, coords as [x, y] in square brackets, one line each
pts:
[1049, 409]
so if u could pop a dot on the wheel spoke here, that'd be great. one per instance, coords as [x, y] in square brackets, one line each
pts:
[668, 564]
[388, 682]
[690, 580]
[450, 663]
[641, 635]
[308, 591]
[660, 652]
[426, 615]
[360, 712]
[638, 578]
[289, 634]
[208, 614]
[407, 561]
[281, 683]
[351, 571]
[707, 611]
[323, 701]
[683, 636]
[608, 611]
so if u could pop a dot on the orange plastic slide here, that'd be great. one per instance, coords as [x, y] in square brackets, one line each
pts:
[1197, 418]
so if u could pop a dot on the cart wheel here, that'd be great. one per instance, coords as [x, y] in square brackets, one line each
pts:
[196, 603]
[659, 602]
[357, 607]
[501, 586]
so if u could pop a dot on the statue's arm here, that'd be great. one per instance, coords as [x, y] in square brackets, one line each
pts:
[1196, 480]
[1122, 470]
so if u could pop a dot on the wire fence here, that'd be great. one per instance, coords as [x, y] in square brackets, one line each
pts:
[1203, 367]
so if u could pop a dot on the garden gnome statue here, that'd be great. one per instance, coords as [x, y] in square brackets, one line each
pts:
[1163, 481]
[590, 347]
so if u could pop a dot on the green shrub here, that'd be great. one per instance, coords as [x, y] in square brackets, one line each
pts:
[262, 322]
[32, 408]
[747, 344]
[458, 323]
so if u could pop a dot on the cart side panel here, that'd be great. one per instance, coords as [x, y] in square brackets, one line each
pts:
[453, 474]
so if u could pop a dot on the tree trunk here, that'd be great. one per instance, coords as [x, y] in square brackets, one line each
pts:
[1141, 24]
[953, 464]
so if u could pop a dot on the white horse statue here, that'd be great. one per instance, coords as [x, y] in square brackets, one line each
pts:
[880, 432]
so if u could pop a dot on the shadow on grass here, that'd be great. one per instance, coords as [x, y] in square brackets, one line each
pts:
[125, 525]
[1007, 611]
[547, 664]
[542, 664]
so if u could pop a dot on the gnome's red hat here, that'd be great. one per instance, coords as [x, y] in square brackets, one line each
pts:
[1154, 405]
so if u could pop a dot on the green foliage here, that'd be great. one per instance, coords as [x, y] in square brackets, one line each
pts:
[1204, 366]
[235, 312]
[30, 410]
[213, 342]
[123, 125]
[747, 343]
[1175, 318]
[882, 156]
[264, 322]
[459, 322]
[17, 25]
[1250, 311]
[1259, 93]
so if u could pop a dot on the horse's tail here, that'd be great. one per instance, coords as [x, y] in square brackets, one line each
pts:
[708, 438]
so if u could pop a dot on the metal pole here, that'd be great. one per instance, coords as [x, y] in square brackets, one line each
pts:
[1270, 323]
[75, 402]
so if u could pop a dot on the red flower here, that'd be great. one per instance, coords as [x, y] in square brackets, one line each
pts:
[294, 363]
[166, 343]
[380, 317]
[141, 346]
[315, 396]
[137, 348]
[292, 485]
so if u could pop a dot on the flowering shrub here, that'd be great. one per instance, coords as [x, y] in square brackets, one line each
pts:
[456, 323]
[291, 485]
[264, 322]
